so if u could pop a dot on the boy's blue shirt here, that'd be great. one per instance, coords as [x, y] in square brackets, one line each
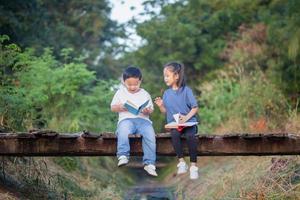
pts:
[179, 101]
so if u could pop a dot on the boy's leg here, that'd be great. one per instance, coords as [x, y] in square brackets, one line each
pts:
[125, 127]
[176, 142]
[190, 134]
[145, 128]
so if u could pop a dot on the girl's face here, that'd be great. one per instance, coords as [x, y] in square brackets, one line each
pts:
[171, 78]
[132, 84]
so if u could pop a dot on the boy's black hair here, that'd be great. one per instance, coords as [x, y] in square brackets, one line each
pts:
[132, 72]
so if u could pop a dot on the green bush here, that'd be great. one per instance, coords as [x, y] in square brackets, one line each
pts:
[259, 98]
[217, 98]
[251, 98]
[71, 189]
[69, 164]
[42, 92]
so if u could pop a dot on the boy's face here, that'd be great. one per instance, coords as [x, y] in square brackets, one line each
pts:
[132, 84]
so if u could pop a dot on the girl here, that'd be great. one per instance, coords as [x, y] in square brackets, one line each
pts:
[179, 98]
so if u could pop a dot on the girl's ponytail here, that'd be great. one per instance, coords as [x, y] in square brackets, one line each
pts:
[181, 81]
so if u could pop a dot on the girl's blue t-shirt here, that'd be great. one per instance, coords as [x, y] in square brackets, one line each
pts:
[179, 101]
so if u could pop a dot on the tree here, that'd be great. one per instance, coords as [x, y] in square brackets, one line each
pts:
[83, 26]
[60, 95]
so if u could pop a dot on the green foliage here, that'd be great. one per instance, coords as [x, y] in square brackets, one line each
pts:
[99, 175]
[61, 96]
[69, 164]
[260, 98]
[250, 98]
[217, 99]
[283, 23]
[54, 83]
[12, 105]
[193, 32]
[92, 112]
[242, 91]
[71, 189]
[82, 177]
[83, 26]
[197, 32]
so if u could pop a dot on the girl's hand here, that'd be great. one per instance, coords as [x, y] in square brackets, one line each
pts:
[158, 101]
[147, 111]
[183, 119]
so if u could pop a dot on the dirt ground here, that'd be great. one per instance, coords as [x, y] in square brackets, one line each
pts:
[7, 194]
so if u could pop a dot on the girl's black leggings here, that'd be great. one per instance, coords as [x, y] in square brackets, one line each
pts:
[189, 133]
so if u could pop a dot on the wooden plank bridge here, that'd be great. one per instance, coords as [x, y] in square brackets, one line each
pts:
[50, 143]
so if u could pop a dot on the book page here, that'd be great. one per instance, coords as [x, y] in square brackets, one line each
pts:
[144, 105]
[175, 124]
[132, 104]
[131, 108]
[176, 117]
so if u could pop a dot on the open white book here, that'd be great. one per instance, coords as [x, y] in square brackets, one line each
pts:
[176, 124]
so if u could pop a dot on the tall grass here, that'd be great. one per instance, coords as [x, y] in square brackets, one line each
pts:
[65, 178]
[246, 101]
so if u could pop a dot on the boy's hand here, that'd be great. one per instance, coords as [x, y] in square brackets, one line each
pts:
[121, 108]
[158, 101]
[183, 119]
[118, 108]
[147, 111]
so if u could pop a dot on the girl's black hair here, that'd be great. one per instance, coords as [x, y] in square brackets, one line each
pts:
[132, 72]
[177, 68]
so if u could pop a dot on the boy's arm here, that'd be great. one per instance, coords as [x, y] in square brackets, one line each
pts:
[116, 104]
[118, 108]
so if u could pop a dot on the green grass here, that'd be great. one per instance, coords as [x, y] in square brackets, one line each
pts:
[71, 189]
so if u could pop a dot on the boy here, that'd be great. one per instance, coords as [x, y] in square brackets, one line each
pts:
[130, 123]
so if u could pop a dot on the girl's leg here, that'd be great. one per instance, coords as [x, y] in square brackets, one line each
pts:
[145, 128]
[125, 127]
[190, 134]
[176, 142]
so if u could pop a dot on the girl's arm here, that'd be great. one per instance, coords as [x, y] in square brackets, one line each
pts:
[159, 102]
[185, 118]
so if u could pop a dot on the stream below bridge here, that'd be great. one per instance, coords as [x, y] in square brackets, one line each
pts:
[148, 188]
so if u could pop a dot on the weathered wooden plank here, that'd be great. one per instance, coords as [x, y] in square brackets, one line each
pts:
[104, 144]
